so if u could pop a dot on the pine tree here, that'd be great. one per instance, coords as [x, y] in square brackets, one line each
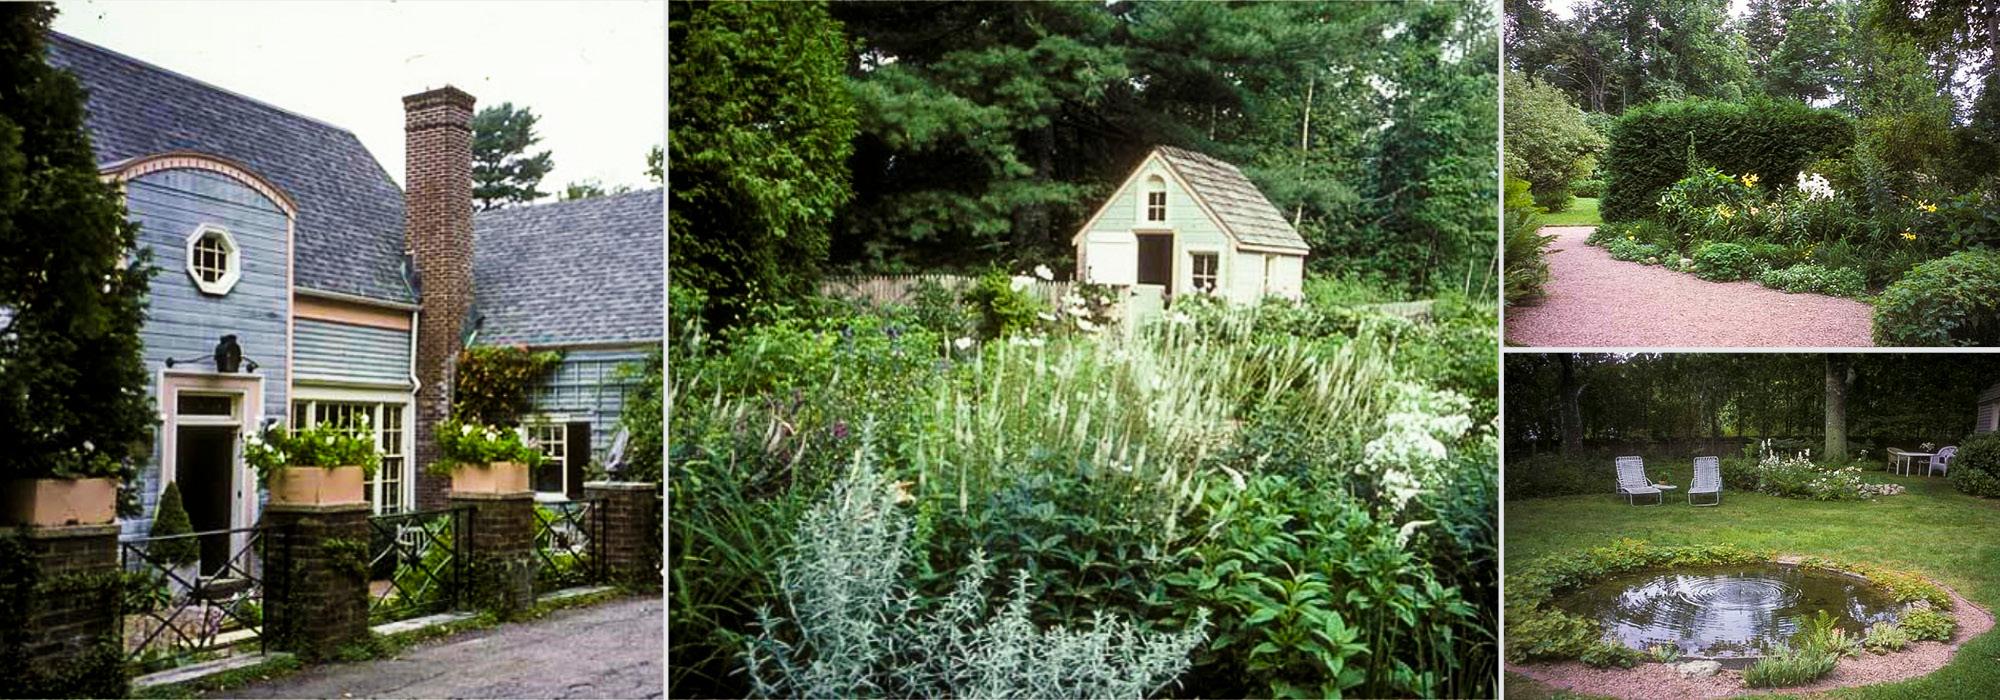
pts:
[73, 400]
[503, 172]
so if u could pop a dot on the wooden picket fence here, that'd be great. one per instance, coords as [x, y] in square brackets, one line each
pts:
[879, 290]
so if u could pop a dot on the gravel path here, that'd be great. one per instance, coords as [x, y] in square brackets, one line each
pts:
[610, 650]
[1592, 300]
[1652, 680]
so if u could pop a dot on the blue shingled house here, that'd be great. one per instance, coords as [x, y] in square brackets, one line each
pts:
[346, 294]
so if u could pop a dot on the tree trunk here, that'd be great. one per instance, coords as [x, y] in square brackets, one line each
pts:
[1838, 377]
[1572, 413]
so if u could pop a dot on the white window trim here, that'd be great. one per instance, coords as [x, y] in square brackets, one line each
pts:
[232, 267]
[1221, 261]
[1140, 221]
[560, 420]
[407, 480]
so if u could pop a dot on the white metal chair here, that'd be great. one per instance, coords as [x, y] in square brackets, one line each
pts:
[1941, 462]
[1632, 481]
[1707, 479]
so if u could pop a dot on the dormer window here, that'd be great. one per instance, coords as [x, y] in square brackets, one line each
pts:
[1156, 199]
[213, 260]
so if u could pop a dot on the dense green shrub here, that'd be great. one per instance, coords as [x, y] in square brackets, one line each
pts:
[1633, 251]
[1642, 231]
[1953, 300]
[1709, 205]
[1976, 467]
[171, 518]
[1590, 187]
[1724, 262]
[1651, 145]
[1001, 310]
[1808, 278]
[1924, 622]
[1550, 144]
[1527, 247]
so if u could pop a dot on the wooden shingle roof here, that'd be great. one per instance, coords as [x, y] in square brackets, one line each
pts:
[1243, 210]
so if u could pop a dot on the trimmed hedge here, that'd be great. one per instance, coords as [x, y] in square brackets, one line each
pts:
[1953, 300]
[1773, 139]
[1976, 468]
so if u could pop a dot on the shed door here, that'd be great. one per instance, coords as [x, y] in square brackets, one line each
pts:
[1156, 259]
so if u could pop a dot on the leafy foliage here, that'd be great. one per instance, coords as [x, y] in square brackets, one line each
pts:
[1773, 140]
[643, 419]
[1724, 262]
[1549, 143]
[855, 630]
[171, 518]
[1885, 637]
[1000, 310]
[1808, 278]
[503, 172]
[1925, 623]
[1527, 247]
[1785, 667]
[73, 279]
[1954, 300]
[491, 382]
[763, 126]
[1976, 467]
[462, 443]
[325, 445]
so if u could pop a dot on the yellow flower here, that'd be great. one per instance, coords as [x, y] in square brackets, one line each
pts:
[1750, 180]
[1926, 207]
[1909, 236]
[1724, 211]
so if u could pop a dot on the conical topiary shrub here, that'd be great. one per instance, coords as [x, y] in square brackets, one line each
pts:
[171, 518]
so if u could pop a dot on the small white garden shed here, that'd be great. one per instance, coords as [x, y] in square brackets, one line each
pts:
[1184, 222]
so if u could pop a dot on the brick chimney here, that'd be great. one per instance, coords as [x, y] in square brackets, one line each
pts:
[437, 228]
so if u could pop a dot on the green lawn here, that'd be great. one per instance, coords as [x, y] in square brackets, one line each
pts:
[1931, 529]
[1582, 212]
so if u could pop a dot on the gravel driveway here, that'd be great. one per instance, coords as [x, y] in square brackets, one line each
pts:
[1592, 300]
[610, 650]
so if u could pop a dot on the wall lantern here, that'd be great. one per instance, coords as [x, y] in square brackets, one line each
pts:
[228, 357]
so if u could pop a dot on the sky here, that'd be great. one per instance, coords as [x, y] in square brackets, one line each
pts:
[595, 72]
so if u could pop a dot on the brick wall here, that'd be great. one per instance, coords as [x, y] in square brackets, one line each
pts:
[501, 550]
[631, 544]
[437, 227]
[64, 623]
[316, 578]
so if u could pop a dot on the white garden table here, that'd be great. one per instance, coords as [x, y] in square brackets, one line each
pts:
[1906, 460]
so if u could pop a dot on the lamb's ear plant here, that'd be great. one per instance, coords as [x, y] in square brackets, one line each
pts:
[856, 630]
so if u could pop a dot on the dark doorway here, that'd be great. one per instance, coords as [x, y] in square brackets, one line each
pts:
[577, 435]
[1156, 258]
[204, 460]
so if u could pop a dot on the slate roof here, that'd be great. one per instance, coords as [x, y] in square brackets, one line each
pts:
[350, 226]
[567, 273]
[1244, 211]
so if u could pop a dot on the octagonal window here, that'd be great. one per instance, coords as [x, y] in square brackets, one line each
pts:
[213, 260]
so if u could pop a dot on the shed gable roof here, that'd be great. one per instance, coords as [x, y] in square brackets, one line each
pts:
[349, 233]
[587, 271]
[1242, 209]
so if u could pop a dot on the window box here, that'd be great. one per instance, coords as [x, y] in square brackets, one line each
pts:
[318, 486]
[58, 502]
[495, 477]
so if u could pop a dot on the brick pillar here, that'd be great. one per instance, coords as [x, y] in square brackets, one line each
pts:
[59, 596]
[437, 228]
[501, 550]
[631, 538]
[316, 577]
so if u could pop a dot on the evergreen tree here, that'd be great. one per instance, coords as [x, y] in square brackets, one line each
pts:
[73, 281]
[503, 172]
[763, 125]
[171, 518]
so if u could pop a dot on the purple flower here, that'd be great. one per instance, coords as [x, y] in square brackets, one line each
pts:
[840, 430]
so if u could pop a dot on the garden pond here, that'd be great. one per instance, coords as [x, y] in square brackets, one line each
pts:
[1729, 614]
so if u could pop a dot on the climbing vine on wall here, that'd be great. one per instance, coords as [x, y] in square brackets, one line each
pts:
[493, 381]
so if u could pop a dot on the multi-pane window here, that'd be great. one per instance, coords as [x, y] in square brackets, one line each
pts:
[211, 259]
[552, 440]
[1156, 199]
[386, 422]
[1204, 271]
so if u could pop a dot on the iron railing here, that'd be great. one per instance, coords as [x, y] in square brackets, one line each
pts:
[569, 537]
[417, 563]
[175, 611]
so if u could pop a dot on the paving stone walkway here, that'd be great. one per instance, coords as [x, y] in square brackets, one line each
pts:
[1593, 300]
[609, 650]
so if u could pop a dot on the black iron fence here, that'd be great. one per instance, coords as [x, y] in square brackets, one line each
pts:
[569, 538]
[417, 563]
[196, 596]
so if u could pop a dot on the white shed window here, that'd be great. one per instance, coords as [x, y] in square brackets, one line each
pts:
[1156, 198]
[1204, 270]
[213, 259]
[553, 440]
[386, 491]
